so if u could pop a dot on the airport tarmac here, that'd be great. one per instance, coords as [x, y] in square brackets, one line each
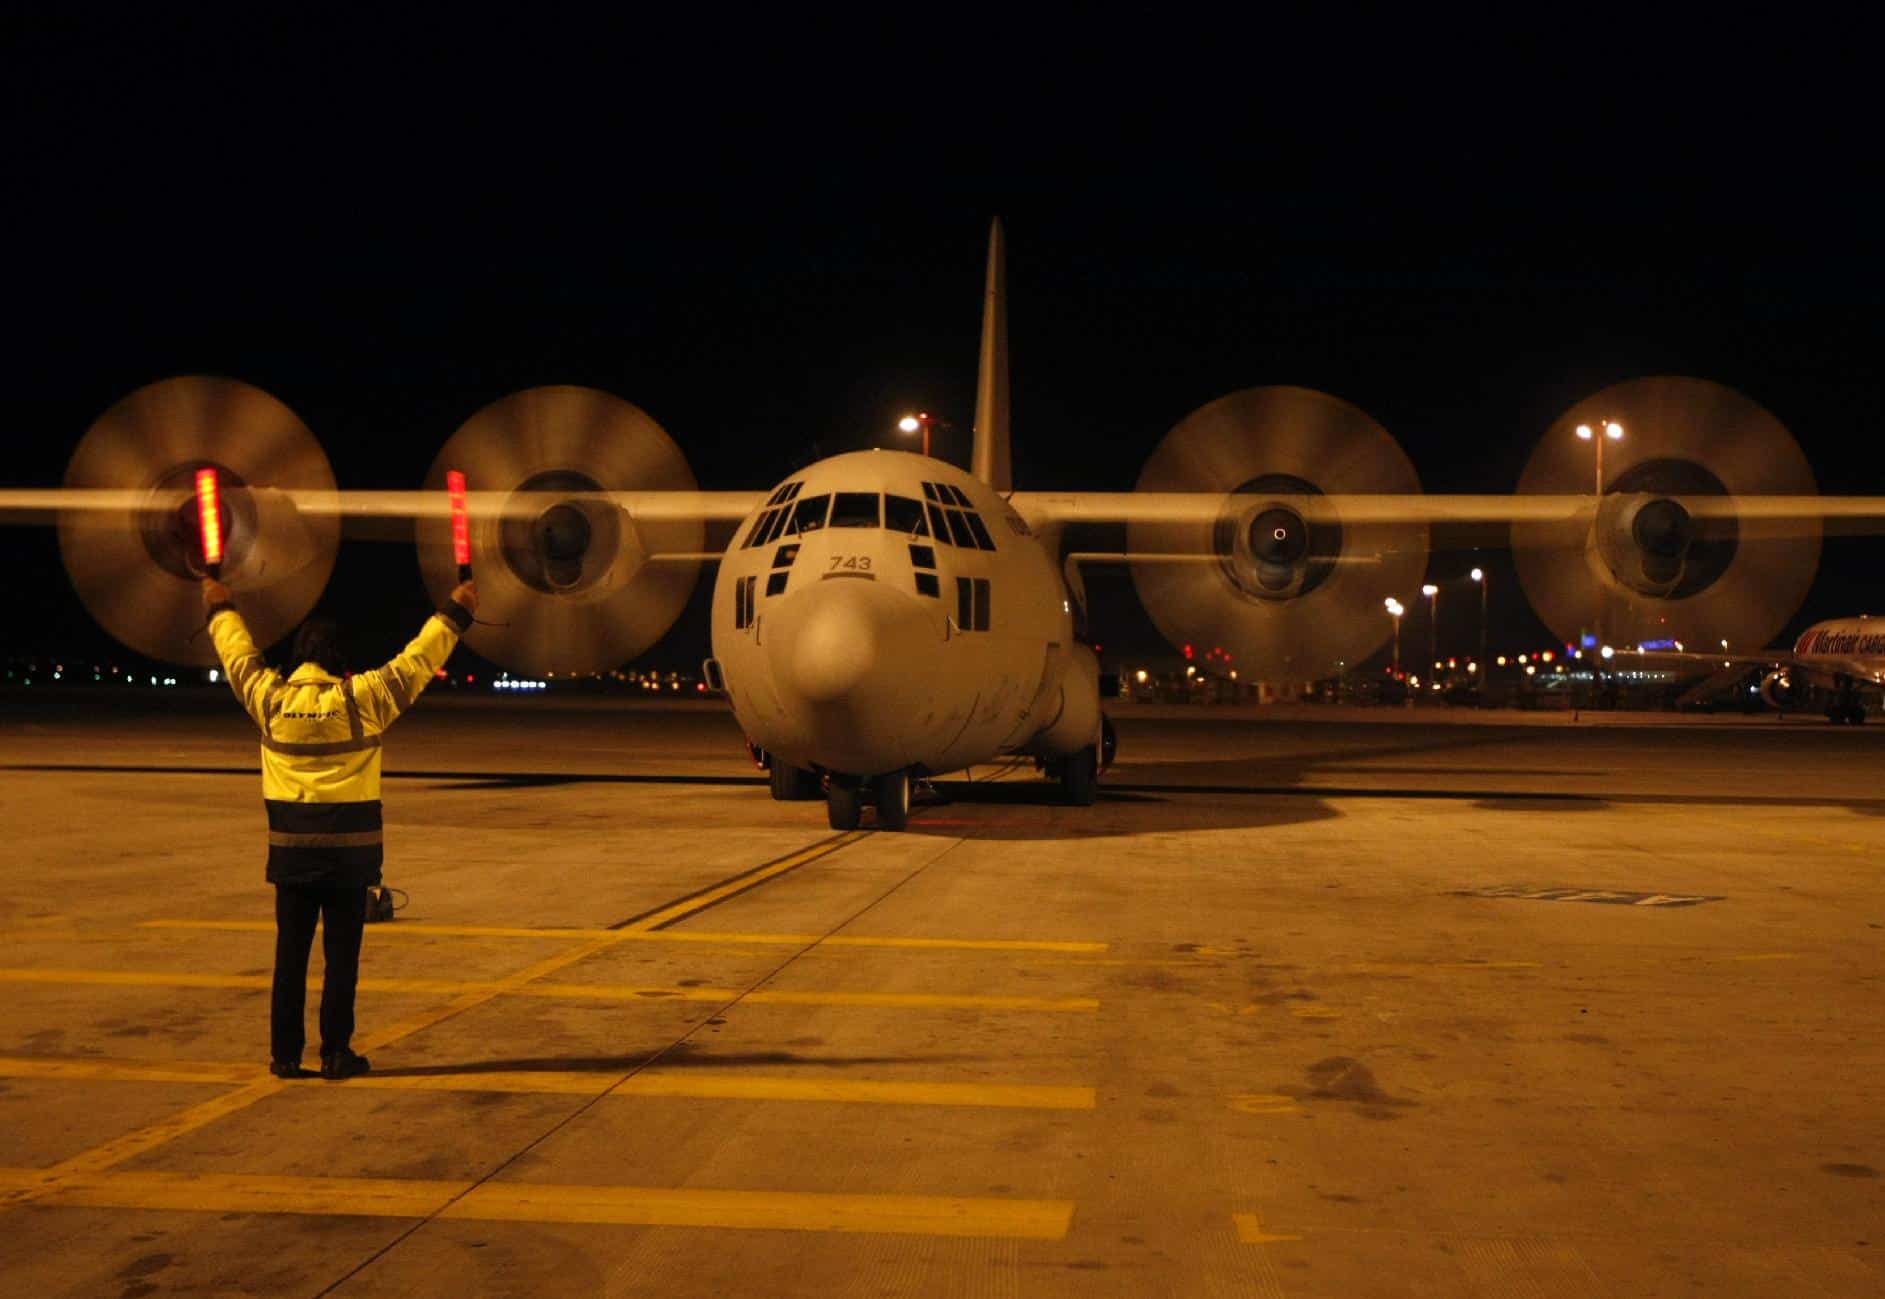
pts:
[1313, 1003]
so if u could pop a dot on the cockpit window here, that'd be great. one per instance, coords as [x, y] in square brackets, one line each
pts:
[809, 515]
[901, 514]
[854, 510]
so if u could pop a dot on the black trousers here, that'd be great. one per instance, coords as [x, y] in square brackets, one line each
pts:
[342, 913]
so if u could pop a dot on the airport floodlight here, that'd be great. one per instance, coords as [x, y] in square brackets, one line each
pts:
[1613, 431]
[1500, 660]
[1430, 590]
[913, 423]
[1583, 432]
[1139, 676]
[1530, 670]
[1608, 652]
[1478, 575]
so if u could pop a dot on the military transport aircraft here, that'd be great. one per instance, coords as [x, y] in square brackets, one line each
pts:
[883, 615]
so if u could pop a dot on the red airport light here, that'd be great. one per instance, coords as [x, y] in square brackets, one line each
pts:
[210, 521]
[461, 524]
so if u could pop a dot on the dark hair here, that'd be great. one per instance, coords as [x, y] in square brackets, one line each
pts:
[318, 641]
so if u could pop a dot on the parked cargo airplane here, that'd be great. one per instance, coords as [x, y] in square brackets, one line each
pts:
[884, 615]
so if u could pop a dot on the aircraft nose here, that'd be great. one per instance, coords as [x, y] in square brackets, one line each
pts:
[835, 648]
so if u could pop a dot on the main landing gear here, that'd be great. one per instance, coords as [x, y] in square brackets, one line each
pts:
[890, 793]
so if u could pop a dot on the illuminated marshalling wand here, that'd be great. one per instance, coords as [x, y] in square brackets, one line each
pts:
[209, 520]
[461, 525]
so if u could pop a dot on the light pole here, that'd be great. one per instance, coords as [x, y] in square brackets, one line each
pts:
[1613, 432]
[1479, 576]
[1432, 593]
[1395, 610]
[911, 423]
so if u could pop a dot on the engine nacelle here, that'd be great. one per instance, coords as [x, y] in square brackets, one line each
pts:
[1278, 584]
[1782, 692]
[568, 580]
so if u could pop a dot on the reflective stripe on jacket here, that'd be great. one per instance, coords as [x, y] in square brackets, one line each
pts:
[321, 746]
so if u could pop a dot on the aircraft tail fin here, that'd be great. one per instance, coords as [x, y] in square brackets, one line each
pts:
[990, 460]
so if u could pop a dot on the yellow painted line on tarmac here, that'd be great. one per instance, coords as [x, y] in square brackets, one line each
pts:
[689, 1084]
[1416, 967]
[519, 985]
[427, 929]
[1763, 956]
[158, 1071]
[1251, 1231]
[915, 1215]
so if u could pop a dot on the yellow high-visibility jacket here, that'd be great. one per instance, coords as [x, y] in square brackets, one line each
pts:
[321, 746]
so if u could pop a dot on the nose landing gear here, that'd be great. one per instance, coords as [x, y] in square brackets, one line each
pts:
[890, 793]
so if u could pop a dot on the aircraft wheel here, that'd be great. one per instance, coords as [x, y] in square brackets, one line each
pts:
[842, 805]
[792, 784]
[1080, 777]
[892, 794]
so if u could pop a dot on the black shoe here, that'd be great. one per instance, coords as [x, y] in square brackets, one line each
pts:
[284, 1070]
[343, 1064]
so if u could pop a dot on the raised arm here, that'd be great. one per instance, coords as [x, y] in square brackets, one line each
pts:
[387, 691]
[248, 675]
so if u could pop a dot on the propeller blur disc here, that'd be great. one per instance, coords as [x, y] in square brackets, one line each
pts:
[136, 569]
[1681, 436]
[611, 606]
[1275, 443]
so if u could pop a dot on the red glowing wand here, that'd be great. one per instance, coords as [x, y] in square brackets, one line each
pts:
[461, 525]
[209, 519]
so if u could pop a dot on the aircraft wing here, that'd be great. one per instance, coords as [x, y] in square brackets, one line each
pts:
[1861, 514]
[35, 505]
[1817, 668]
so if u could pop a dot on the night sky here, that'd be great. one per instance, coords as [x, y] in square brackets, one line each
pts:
[772, 241]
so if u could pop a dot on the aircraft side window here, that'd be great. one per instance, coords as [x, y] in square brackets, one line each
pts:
[776, 582]
[982, 538]
[809, 515]
[937, 528]
[929, 491]
[854, 510]
[784, 555]
[901, 514]
[923, 556]
[981, 604]
[952, 492]
[965, 604]
[792, 490]
[743, 602]
[926, 584]
[775, 523]
[777, 496]
[759, 526]
[959, 529]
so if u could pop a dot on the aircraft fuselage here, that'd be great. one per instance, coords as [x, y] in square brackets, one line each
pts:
[884, 611]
